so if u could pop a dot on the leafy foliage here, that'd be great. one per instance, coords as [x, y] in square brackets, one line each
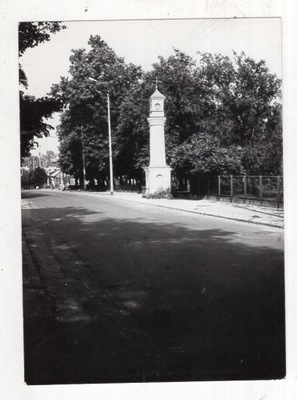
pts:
[223, 115]
[204, 155]
[33, 111]
[240, 128]
[84, 123]
[160, 194]
[36, 177]
[184, 105]
[33, 33]
[49, 158]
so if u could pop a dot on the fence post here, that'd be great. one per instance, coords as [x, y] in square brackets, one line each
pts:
[278, 189]
[231, 185]
[261, 188]
[219, 185]
[244, 186]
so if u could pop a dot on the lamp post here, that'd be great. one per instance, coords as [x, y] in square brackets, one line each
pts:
[109, 137]
[110, 147]
[83, 159]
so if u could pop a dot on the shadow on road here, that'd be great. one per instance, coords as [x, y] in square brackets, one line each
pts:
[32, 195]
[132, 299]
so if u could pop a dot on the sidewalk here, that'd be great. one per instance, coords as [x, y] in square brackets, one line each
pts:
[239, 212]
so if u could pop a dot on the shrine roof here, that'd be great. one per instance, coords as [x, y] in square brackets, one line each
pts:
[157, 94]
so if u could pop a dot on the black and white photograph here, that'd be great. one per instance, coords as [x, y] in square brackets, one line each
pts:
[147, 186]
[152, 200]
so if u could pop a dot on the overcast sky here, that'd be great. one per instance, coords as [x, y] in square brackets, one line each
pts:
[142, 41]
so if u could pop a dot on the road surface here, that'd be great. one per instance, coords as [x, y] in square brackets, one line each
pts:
[128, 292]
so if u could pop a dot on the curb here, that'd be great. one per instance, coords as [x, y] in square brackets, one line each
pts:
[211, 215]
[177, 209]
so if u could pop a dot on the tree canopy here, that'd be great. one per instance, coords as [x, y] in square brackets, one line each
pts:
[33, 111]
[223, 114]
[242, 115]
[36, 177]
[84, 124]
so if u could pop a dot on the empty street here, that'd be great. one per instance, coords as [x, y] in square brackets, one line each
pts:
[119, 291]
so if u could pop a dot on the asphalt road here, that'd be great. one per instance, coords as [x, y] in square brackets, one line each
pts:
[125, 292]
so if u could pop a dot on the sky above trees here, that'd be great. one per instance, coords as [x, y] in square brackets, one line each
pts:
[142, 41]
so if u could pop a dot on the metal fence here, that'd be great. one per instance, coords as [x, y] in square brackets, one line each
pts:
[263, 188]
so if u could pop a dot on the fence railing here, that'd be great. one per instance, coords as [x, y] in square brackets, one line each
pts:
[263, 188]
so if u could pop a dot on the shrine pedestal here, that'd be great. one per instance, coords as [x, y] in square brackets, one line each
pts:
[157, 179]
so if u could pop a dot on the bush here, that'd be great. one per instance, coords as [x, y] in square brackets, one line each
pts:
[160, 194]
[39, 177]
[25, 180]
[34, 178]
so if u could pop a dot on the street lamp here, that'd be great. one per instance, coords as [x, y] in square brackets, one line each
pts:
[109, 137]
[83, 159]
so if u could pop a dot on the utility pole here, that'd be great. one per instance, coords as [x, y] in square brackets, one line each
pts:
[83, 159]
[110, 147]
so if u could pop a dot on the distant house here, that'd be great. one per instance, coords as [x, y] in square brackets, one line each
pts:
[56, 178]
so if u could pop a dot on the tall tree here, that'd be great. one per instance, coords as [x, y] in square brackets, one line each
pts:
[205, 155]
[84, 119]
[133, 128]
[241, 102]
[33, 111]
